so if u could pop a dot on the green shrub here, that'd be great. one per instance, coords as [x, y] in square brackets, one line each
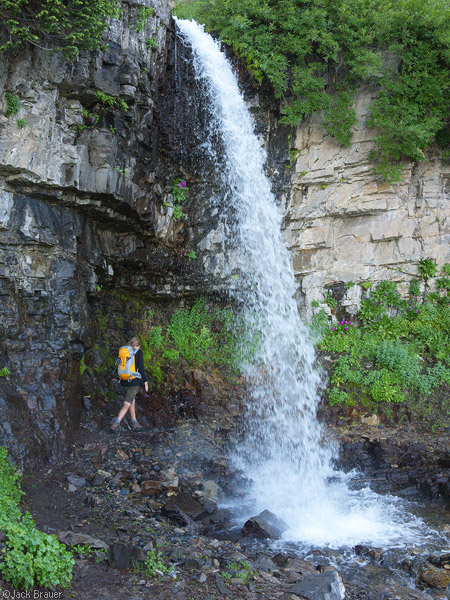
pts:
[69, 27]
[199, 335]
[30, 557]
[315, 55]
[13, 104]
[399, 352]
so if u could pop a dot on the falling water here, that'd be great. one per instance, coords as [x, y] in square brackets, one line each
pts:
[285, 456]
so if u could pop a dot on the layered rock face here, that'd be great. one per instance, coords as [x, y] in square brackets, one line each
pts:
[83, 212]
[345, 225]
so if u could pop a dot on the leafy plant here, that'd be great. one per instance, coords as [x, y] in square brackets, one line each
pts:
[30, 557]
[143, 14]
[21, 123]
[154, 564]
[238, 569]
[13, 104]
[68, 27]
[150, 43]
[330, 300]
[427, 268]
[192, 255]
[4, 372]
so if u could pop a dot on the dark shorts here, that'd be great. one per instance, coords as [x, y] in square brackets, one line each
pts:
[131, 392]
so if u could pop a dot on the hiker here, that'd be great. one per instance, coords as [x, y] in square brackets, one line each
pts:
[132, 376]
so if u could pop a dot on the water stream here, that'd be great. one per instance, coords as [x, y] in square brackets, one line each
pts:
[287, 462]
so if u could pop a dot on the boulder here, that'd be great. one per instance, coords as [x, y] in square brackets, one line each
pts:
[70, 538]
[323, 586]
[436, 578]
[265, 525]
[185, 505]
[125, 556]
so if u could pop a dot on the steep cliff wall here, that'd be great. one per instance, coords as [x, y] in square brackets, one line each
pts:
[344, 224]
[84, 185]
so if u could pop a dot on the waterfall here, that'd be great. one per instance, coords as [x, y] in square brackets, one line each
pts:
[284, 455]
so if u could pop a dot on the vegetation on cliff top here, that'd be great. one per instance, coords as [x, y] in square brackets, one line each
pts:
[68, 26]
[316, 53]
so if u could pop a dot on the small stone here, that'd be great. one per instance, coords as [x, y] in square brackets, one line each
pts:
[151, 487]
[202, 578]
[121, 454]
[76, 480]
[69, 538]
[100, 477]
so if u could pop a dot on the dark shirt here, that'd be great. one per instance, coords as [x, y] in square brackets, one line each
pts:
[139, 366]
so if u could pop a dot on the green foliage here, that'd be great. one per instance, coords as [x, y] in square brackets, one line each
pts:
[4, 372]
[13, 104]
[150, 43]
[192, 254]
[179, 193]
[143, 14]
[427, 268]
[316, 53]
[330, 300]
[154, 564]
[21, 123]
[83, 366]
[399, 352]
[199, 335]
[30, 557]
[238, 569]
[68, 26]
[414, 288]
[111, 101]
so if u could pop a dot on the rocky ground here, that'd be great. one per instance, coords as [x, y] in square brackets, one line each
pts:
[126, 498]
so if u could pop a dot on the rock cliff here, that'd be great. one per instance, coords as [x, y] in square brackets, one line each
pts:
[86, 167]
[345, 225]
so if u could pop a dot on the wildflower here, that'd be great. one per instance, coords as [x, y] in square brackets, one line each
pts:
[183, 183]
[334, 329]
[346, 328]
[407, 308]
[180, 186]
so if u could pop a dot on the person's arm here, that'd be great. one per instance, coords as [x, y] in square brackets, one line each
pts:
[140, 368]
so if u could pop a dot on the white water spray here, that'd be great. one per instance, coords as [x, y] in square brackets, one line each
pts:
[284, 455]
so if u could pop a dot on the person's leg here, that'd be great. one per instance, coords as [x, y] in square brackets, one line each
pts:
[129, 399]
[133, 410]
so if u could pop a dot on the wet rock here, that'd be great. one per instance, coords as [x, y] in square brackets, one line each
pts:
[436, 578]
[265, 525]
[185, 504]
[324, 586]
[209, 505]
[151, 487]
[70, 538]
[398, 592]
[211, 489]
[125, 556]
[297, 565]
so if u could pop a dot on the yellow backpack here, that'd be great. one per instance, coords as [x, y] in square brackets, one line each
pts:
[126, 369]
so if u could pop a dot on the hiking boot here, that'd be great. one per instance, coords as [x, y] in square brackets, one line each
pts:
[114, 427]
[136, 426]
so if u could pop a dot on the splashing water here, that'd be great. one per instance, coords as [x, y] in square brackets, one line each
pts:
[284, 455]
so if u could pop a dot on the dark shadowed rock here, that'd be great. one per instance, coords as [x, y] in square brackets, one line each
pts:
[265, 525]
[185, 504]
[124, 556]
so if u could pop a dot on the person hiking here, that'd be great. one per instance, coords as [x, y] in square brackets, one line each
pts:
[134, 376]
